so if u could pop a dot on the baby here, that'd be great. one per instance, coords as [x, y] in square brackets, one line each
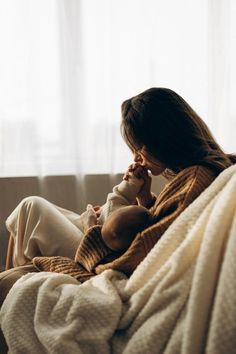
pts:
[122, 225]
[120, 217]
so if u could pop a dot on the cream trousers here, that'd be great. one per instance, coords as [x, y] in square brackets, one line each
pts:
[42, 228]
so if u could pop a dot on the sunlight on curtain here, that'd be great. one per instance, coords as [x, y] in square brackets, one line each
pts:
[66, 67]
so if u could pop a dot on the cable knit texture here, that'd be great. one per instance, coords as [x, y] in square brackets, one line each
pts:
[63, 265]
[95, 257]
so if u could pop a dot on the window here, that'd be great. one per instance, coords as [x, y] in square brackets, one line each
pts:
[66, 67]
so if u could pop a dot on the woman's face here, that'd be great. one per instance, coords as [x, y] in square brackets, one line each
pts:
[149, 162]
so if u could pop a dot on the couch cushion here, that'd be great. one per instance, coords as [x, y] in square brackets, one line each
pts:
[9, 277]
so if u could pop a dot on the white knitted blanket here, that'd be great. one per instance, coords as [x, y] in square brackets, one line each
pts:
[181, 298]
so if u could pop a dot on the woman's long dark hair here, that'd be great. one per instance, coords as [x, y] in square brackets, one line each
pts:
[171, 131]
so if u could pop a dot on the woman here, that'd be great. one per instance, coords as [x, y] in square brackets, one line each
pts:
[166, 137]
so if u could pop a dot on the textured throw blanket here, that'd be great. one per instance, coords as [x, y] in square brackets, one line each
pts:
[180, 299]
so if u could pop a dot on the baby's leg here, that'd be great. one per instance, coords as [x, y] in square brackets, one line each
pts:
[42, 228]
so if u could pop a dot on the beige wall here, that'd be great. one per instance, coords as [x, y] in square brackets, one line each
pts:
[70, 192]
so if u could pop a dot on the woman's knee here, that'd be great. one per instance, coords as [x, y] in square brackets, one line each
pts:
[28, 205]
[34, 202]
[9, 277]
[32, 206]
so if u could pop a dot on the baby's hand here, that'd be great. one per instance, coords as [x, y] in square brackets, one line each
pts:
[135, 169]
[97, 210]
[89, 217]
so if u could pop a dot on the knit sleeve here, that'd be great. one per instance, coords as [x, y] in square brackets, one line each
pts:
[174, 199]
[64, 265]
[92, 250]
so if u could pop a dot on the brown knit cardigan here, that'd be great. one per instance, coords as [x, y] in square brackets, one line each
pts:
[93, 256]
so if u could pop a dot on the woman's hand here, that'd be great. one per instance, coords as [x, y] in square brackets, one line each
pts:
[144, 196]
[89, 218]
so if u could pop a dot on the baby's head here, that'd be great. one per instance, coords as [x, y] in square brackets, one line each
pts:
[123, 224]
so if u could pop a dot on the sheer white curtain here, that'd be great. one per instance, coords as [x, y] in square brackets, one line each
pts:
[66, 66]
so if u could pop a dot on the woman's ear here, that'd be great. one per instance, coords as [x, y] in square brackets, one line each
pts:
[137, 156]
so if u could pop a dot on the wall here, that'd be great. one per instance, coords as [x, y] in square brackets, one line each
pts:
[70, 192]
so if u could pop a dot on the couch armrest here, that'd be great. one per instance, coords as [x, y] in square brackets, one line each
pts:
[10, 249]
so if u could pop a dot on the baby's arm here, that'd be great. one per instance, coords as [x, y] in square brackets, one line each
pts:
[123, 194]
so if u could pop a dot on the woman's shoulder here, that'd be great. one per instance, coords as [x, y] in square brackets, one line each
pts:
[196, 176]
[196, 172]
[189, 182]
